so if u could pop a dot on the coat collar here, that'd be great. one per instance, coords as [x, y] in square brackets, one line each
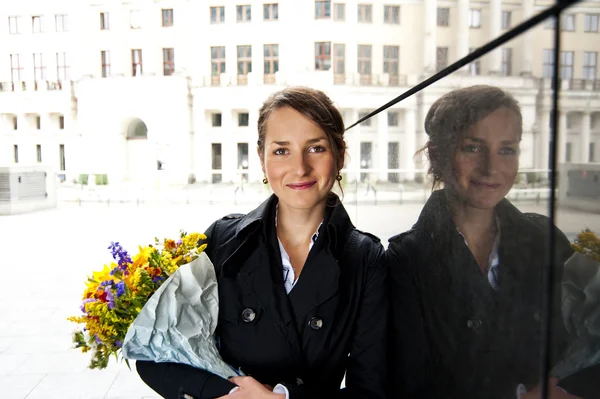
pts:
[337, 222]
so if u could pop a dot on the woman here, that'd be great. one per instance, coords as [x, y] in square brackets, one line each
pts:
[467, 279]
[302, 292]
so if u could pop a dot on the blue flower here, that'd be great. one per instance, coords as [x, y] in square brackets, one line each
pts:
[120, 288]
[158, 278]
[118, 343]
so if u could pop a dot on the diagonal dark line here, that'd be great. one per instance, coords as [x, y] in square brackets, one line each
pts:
[481, 51]
[550, 258]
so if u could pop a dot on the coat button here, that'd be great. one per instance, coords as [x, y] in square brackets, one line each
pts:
[315, 323]
[248, 315]
[474, 323]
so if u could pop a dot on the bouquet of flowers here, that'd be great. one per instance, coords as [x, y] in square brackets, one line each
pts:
[581, 305]
[133, 308]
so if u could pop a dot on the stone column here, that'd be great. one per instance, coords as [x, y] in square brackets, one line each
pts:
[544, 140]
[495, 16]
[562, 137]
[462, 48]
[430, 38]
[585, 138]
[527, 42]
[409, 143]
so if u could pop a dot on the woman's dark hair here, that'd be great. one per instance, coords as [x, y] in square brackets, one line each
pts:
[316, 106]
[451, 117]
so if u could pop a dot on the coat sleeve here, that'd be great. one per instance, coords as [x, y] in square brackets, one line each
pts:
[172, 380]
[367, 372]
[410, 352]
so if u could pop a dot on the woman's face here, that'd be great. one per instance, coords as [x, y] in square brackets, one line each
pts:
[298, 159]
[486, 160]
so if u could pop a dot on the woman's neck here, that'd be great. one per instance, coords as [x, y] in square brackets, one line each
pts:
[297, 226]
[474, 224]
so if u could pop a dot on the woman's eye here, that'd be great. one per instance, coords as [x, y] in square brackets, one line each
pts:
[280, 151]
[470, 148]
[508, 151]
[317, 148]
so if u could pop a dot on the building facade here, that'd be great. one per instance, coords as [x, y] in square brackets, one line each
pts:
[173, 87]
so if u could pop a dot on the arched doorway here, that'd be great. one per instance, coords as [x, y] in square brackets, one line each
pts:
[140, 156]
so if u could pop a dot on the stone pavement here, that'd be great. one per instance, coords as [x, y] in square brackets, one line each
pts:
[48, 254]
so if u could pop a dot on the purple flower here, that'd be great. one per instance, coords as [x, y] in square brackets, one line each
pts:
[120, 288]
[118, 343]
[111, 299]
[82, 307]
[98, 340]
[120, 255]
[158, 278]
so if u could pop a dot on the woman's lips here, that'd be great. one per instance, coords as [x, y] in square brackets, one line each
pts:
[486, 185]
[302, 186]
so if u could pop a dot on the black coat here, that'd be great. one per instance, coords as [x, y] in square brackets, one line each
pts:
[333, 321]
[453, 335]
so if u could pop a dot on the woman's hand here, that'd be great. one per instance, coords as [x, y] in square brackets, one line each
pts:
[554, 392]
[249, 388]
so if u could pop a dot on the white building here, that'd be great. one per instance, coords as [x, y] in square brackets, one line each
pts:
[117, 88]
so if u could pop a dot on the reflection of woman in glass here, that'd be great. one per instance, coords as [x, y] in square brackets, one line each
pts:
[467, 279]
[302, 293]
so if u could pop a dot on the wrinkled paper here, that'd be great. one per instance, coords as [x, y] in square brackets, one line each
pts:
[178, 322]
[581, 314]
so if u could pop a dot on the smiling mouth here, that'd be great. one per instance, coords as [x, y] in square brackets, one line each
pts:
[487, 185]
[302, 186]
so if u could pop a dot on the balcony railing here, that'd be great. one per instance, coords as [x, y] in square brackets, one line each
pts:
[38, 85]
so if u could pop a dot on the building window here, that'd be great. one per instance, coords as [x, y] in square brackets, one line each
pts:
[441, 58]
[167, 17]
[243, 119]
[365, 13]
[566, 64]
[104, 21]
[15, 153]
[589, 65]
[339, 12]
[217, 63]
[242, 158]
[38, 153]
[168, 61]
[392, 118]
[61, 157]
[217, 15]
[62, 23]
[366, 122]
[474, 66]
[592, 152]
[244, 13]
[366, 158]
[443, 16]
[39, 69]
[506, 19]
[322, 56]
[271, 62]
[105, 60]
[244, 63]
[38, 122]
[216, 119]
[14, 25]
[15, 123]
[15, 68]
[550, 23]
[217, 162]
[568, 23]
[568, 152]
[548, 67]
[62, 67]
[135, 19]
[322, 9]
[393, 161]
[339, 65]
[37, 24]
[474, 18]
[591, 22]
[271, 12]
[391, 61]
[391, 14]
[364, 63]
[61, 122]
[506, 61]
[136, 62]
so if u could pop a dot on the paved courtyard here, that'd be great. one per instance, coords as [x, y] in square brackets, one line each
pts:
[48, 254]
